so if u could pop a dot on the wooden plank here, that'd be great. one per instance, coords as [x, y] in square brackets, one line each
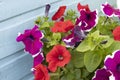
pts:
[16, 66]
[10, 8]
[28, 77]
[10, 28]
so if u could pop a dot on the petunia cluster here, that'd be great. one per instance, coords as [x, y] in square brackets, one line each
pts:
[72, 47]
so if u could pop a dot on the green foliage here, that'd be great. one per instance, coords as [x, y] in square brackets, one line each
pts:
[106, 25]
[93, 41]
[92, 60]
[71, 15]
[77, 59]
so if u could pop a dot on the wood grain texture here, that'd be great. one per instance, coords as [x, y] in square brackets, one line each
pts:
[15, 66]
[11, 8]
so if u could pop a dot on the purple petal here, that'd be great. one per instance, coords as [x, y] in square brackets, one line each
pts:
[35, 47]
[102, 74]
[110, 64]
[117, 76]
[38, 59]
[117, 12]
[35, 28]
[47, 9]
[28, 44]
[20, 38]
[117, 56]
[38, 34]
[69, 40]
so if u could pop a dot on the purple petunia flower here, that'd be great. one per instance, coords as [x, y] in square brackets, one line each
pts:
[38, 58]
[87, 20]
[110, 11]
[102, 74]
[31, 39]
[75, 37]
[113, 64]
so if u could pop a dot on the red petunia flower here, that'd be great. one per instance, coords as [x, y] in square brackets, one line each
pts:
[116, 33]
[58, 56]
[86, 7]
[41, 73]
[59, 13]
[62, 26]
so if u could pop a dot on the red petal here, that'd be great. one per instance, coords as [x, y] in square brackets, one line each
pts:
[116, 33]
[62, 26]
[86, 7]
[41, 73]
[59, 13]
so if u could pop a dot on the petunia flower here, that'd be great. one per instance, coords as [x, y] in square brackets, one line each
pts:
[58, 57]
[80, 7]
[116, 33]
[102, 74]
[31, 40]
[87, 20]
[38, 58]
[110, 11]
[113, 64]
[59, 13]
[62, 26]
[75, 37]
[47, 9]
[41, 73]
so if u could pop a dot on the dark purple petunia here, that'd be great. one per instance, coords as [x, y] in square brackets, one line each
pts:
[32, 40]
[102, 74]
[47, 8]
[38, 58]
[87, 20]
[110, 11]
[113, 64]
[75, 37]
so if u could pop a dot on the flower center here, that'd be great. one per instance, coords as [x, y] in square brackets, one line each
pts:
[88, 16]
[118, 67]
[31, 37]
[60, 57]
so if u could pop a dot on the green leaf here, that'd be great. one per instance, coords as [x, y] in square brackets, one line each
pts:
[77, 74]
[84, 72]
[71, 15]
[68, 76]
[83, 47]
[92, 60]
[109, 43]
[44, 25]
[92, 41]
[54, 76]
[77, 59]
[56, 36]
[114, 46]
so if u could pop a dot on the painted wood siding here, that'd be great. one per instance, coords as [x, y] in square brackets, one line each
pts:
[17, 15]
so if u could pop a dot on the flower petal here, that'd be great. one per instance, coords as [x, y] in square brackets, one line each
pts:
[86, 7]
[59, 13]
[38, 59]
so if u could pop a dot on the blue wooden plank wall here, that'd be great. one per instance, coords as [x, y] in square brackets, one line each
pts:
[17, 15]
